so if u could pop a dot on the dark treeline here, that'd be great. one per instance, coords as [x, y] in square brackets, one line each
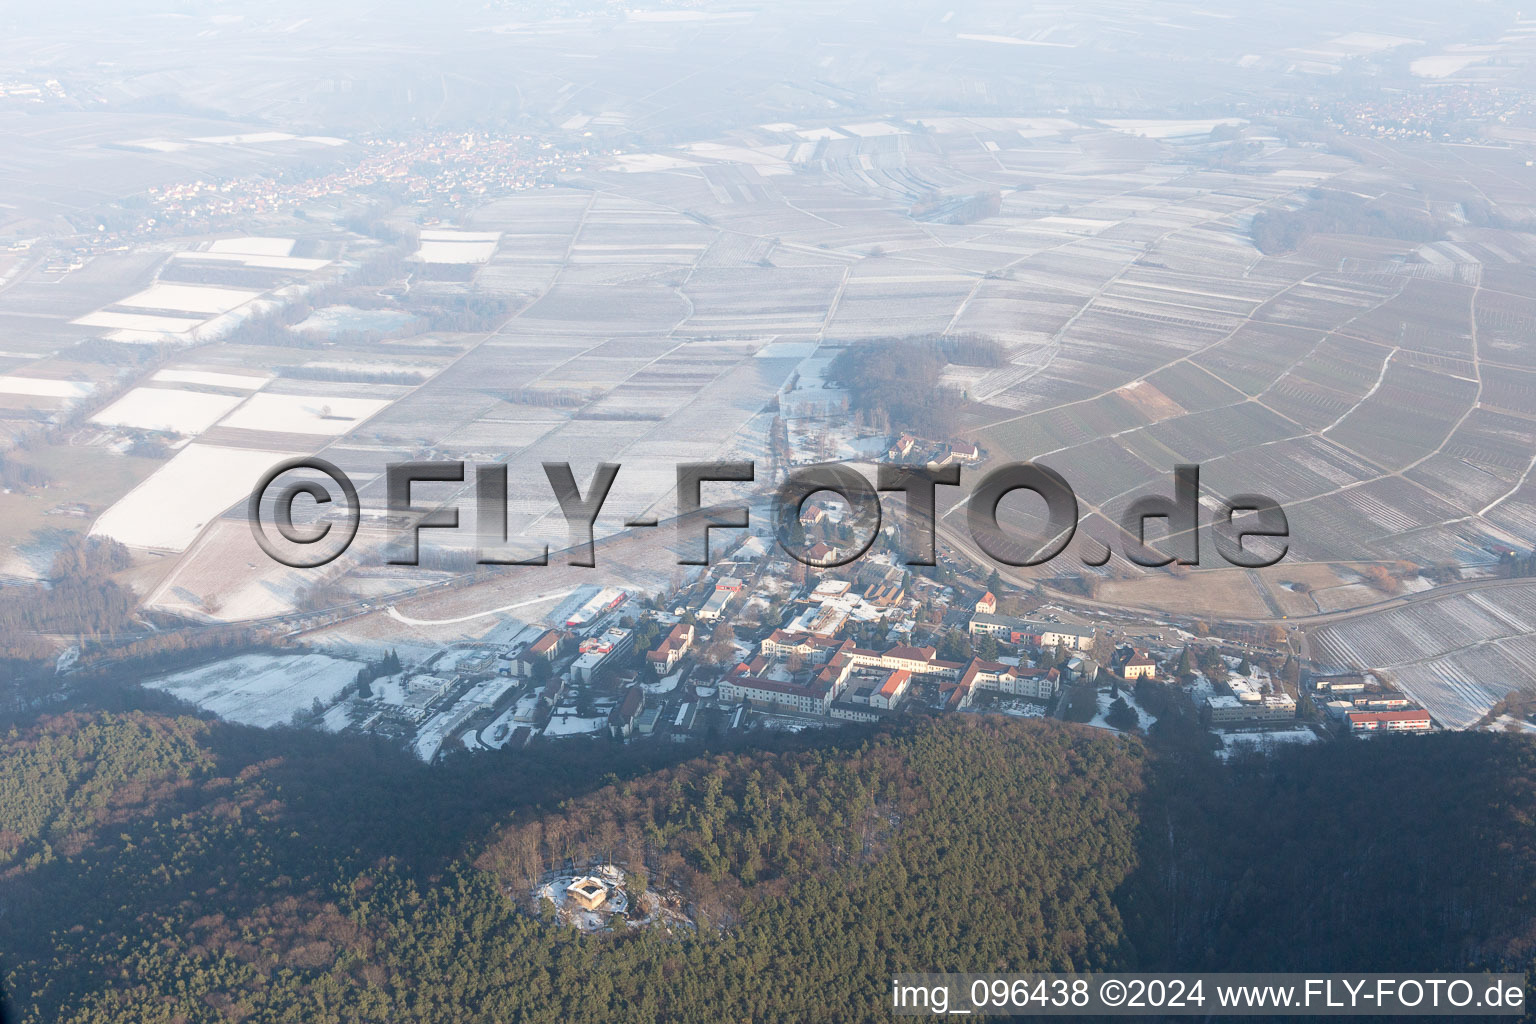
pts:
[80, 598]
[941, 209]
[406, 377]
[292, 876]
[16, 475]
[1329, 212]
[895, 383]
[1513, 564]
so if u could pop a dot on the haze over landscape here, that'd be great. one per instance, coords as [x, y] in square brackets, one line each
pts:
[1292, 244]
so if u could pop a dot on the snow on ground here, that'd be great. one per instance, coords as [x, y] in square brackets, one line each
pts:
[168, 409]
[1509, 723]
[142, 322]
[1144, 719]
[1021, 708]
[499, 731]
[1160, 129]
[485, 694]
[1231, 742]
[41, 387]
[454, 658]
[261, 689]
[337, 717]
[784, 724]
[573, 725]
[212, 378]
[188, 298]
[1443, 65]
[443, 246]
[389, 689]
[168, 509]
[430, 737]
[980, 37]
[400, 616]
[304, 414]
[254, 246]
[368, 366]
[478, 698]
[651, 162]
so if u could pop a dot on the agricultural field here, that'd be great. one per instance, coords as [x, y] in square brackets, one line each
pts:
[1457, 654]
[670, 304]
[260, 689]
[167, 410]
[169, 509]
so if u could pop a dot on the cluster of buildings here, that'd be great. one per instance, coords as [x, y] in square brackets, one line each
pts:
[1248, 702]
[910, 448]
[1361, 705]
[809, 666]
[444, 167]
[750, 642]
[1438, 111]
[823, 676]
[23, 91]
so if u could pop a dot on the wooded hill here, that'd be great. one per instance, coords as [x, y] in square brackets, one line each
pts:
[159, 869]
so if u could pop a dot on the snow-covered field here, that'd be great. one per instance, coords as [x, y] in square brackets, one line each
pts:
[1231, 742]
[1160, 129]
[261, 689]
[1443, 65]
[337, 717]
[169, 509]
[42, 387]
[441, 246]
[254, 246]
[303, 414]
[146, 322]
[255, 260]
[651, 162]
[189, 298]
[980, 37]
[211, 378]
[167, 409]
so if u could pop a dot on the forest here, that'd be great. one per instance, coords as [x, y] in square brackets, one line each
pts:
[1333, 212]
[160, 868]
[899, 380]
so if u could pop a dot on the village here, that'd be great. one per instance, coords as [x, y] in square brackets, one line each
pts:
[759, 641]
